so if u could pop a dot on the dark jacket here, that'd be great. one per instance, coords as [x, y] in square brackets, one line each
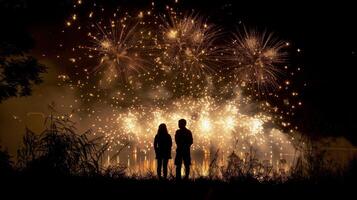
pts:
[162, 146]
[184, 140]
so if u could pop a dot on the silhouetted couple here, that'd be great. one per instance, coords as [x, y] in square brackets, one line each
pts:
[163, 144]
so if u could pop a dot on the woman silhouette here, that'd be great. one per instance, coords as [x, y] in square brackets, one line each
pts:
[162, 146]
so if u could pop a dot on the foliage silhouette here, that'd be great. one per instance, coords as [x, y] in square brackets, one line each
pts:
[6, 165]
[60, 150]
[19, 71]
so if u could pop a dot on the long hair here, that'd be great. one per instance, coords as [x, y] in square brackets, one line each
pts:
[162, 130]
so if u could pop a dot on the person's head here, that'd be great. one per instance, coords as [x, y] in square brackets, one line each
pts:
[182, 123]
[162, 129]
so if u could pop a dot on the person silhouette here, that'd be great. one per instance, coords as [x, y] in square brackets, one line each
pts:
[184, 140]
[162, 146]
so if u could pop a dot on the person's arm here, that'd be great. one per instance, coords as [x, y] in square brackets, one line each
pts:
[170, 142]
[191, 139]
[156, 144]
[176, 138]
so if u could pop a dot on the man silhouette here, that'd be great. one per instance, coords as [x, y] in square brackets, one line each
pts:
[162, 146]
[184, 140]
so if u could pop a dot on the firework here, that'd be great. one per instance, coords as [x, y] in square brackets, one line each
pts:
[257, 58]
[119, 47]
[189, 44]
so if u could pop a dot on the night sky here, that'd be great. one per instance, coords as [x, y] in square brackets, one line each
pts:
[324, 32]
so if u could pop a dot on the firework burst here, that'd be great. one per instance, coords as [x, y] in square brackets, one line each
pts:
[256, 58]
[189, 44]
[119, 46]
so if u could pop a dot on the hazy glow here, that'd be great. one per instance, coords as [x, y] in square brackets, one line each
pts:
[175, 66]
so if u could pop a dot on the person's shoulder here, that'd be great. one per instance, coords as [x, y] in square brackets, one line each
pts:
[189, 131]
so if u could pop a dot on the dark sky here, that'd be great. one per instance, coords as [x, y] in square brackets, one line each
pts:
[324, 32]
